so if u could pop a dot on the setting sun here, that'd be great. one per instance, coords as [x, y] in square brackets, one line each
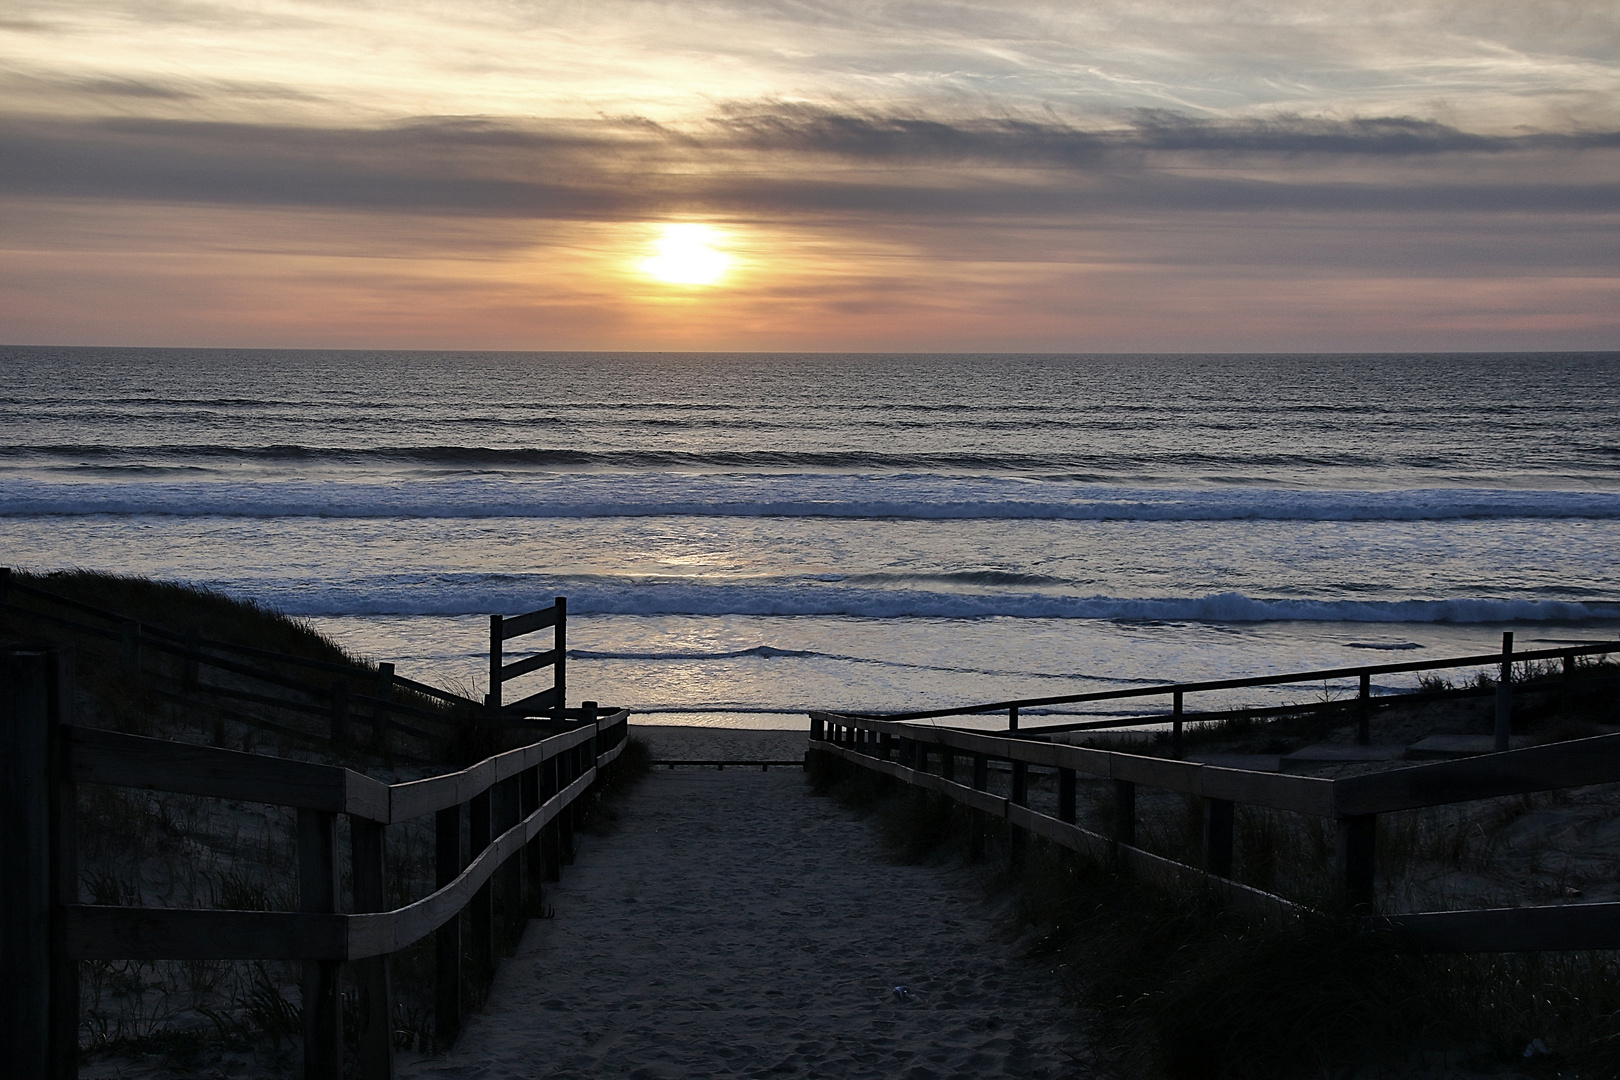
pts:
[687, 256]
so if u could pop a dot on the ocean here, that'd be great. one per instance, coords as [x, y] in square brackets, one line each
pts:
[745, 537]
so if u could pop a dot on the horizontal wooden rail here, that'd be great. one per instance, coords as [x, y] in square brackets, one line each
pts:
[1160, 689]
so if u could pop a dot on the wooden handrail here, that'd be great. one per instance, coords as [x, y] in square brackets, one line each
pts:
[1352, 802]
[1593, 649]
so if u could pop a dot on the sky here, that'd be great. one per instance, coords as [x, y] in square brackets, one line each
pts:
[1102, 176]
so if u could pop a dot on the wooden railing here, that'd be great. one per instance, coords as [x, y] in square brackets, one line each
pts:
[337, 706]
[548, 702]
[930, 758]
[521, 807]
[1363, 703]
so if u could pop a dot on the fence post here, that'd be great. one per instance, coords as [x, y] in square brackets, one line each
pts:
[509, 876]
[560, 644]
[374, 1004]
[1175, 726]
[566, 774]
[947, 762]
[551, 835]
[492, 700]
[1504, 694]
[981, 782]
[317, 893]
[1012, 718]
[1354, 852]
[39, 987]
[1066, 795]
[379, 715]
[1219, 818]
[533, 860]
[340, 714]
[481, 909]
[1364, 710]
[1017, 838]
[448, 865]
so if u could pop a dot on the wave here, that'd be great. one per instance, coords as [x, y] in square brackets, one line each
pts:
[768, 652]
[908, 496]
[481, 597]
[522, 458]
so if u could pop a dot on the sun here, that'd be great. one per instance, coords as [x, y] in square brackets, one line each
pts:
[687, 256]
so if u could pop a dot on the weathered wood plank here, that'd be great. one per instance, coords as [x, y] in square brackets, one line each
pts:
[518, 625]
[109, 757]
[1302, 794]
[1575, 763]
[528, 664]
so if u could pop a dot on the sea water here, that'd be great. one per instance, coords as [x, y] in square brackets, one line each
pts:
[747, 537]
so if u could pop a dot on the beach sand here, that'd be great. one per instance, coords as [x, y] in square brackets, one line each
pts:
[733, 925]
[689, 743]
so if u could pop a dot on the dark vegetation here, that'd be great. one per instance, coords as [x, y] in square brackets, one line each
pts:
[1173, 987]
[160, 849]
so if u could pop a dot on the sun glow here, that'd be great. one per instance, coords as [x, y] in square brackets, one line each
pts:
[687, 256]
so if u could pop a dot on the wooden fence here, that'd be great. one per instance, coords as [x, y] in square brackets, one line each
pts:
[1506, 686]
[549, 702]
[521, 806]
[336, 706]
[928, 758]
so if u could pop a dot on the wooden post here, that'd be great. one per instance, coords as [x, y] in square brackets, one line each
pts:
[130, 640]
[817, 724]
[492, 700]
[188, 667]
[1125, 812]
[1017, 838]
[885, 746]
[947, 762]
[551, 835]
[1012, 718]
[1504, 695]
[566, 774]
[534, 869]
[39, 989]
[373, 993]
[379, 715]
[340, 714]
[920, 755]
[981, 782]
[1354, 853]
[449, 862]
[1364, 710]
[1175, 726]
[1219, 815]
[1066, 795]
[5, 584]
[509, 877]
[481, 909]
[317, 892]
[560, 644]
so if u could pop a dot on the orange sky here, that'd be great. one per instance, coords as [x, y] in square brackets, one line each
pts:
[1016, 176]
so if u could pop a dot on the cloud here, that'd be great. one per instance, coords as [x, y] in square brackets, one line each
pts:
[775, 158]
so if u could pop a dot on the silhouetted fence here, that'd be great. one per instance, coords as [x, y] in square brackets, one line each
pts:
[1503, 689]
[930, 758]
[521, 807]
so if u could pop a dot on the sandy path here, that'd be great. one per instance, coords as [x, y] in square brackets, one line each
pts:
[734, 925]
